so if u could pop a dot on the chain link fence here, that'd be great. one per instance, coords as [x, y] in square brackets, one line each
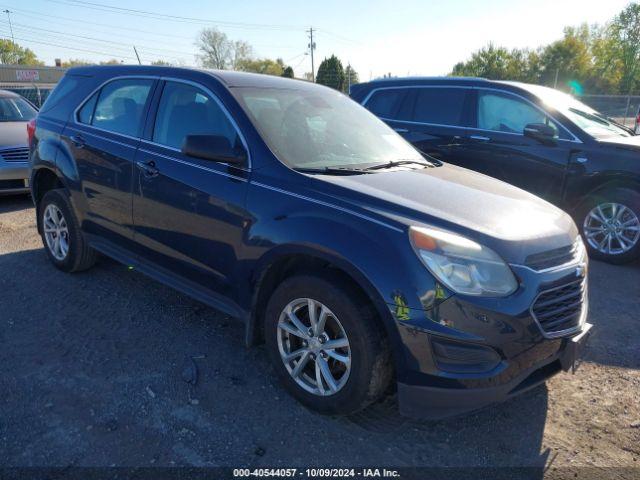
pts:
[621, 108]
[35, 93]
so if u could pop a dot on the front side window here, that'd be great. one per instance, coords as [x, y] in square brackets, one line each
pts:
[16, 109]
[384, 103]
[119, 106]
[186, 110]
[509, 114]
[316, 128]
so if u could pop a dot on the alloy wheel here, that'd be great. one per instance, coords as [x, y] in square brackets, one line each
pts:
[612, 228]
[314, 347]
[56, 232]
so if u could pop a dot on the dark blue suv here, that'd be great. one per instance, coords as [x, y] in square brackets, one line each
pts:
[361, 263]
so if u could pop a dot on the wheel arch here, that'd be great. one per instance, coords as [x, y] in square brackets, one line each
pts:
[290, 260]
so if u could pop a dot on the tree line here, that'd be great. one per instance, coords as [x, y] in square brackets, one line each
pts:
[588, 59]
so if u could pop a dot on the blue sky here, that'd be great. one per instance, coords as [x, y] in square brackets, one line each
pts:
[408, 37]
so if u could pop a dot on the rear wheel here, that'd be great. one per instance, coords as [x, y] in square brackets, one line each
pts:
[610, 225]
[63, 240]
[326, 344]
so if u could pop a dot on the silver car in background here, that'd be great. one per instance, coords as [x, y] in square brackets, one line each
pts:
[15, 113]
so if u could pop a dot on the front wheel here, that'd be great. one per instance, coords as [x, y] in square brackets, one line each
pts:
[610, 225]
[326, 344]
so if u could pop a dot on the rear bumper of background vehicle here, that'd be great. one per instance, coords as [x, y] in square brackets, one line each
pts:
[14, 177]
[428, 402]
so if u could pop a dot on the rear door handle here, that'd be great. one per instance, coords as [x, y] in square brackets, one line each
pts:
[401, 130]
[148, 168]
[78, 141]
[480, 138]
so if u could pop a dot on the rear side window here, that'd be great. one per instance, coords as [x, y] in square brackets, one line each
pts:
[118, 106]
[442, 106]
[68, 84]
[384, 103]
[187, 110]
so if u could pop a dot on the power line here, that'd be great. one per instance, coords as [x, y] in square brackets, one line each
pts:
[174, 18]
[38, 16]
[28, 28]
[75, 48]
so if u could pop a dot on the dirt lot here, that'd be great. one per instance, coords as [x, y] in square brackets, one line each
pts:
[92, 375]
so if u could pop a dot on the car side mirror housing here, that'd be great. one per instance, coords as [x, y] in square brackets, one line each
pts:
[540, 132]
[213, 147]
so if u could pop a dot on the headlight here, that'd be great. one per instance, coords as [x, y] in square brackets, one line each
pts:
[463, 265]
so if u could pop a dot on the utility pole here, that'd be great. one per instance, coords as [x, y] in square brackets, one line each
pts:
[555, 82]
[13, 40]
[8, 12]
[312, 47]
[137, 56]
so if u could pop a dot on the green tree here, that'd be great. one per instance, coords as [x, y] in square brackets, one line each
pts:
[161, 63]
[113, 61]
[262, 65]
[499, 63]
[568, 60]
[12, 53]
[76, 62]
[331, 73]
[351, 78]
[623, 35]
[288, 72]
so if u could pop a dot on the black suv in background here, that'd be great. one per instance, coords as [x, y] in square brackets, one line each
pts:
[534, 137]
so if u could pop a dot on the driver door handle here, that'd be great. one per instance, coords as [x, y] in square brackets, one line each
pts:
[148, 168]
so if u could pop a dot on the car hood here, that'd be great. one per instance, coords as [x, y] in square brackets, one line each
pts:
[13, 134]
[628, 143]
[508, 219]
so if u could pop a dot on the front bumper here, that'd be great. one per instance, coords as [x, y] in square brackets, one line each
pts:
[429, 402]
[14, 177]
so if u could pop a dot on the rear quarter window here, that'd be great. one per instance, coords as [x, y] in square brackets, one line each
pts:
[66, 96]
[384, 103]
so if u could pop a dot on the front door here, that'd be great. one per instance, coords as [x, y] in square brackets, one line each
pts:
[498, 147]
[189, 213]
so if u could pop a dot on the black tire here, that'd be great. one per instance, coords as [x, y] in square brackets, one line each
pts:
[80, 256]
[371, 366]
[622, 196]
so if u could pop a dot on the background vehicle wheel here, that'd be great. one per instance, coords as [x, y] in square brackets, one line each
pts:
[610, 225]
[326, 344]
[63, 240]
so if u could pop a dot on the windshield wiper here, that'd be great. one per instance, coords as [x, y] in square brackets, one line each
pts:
[397, 163]
[332, 171]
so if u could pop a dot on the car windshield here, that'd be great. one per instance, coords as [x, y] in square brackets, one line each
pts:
[16, 109]
[589, 120]
[318, 128]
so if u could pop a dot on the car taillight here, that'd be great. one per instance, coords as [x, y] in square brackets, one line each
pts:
[31, 130]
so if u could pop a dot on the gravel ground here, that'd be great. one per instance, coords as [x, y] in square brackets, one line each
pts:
[93, 368]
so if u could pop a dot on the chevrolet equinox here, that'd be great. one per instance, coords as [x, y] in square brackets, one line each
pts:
[362, 264]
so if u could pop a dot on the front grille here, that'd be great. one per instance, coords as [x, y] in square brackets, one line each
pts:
[20, 154]
[560, 308]
[552, 258]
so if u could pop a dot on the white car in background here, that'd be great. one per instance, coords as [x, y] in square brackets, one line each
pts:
[15, 113]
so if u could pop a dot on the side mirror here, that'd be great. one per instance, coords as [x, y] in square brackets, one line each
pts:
[541, 132]
[213, 147]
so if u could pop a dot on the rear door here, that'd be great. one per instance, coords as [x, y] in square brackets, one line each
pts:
[497, 146]
[189, 213]
[433, 118]
[103, 138]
